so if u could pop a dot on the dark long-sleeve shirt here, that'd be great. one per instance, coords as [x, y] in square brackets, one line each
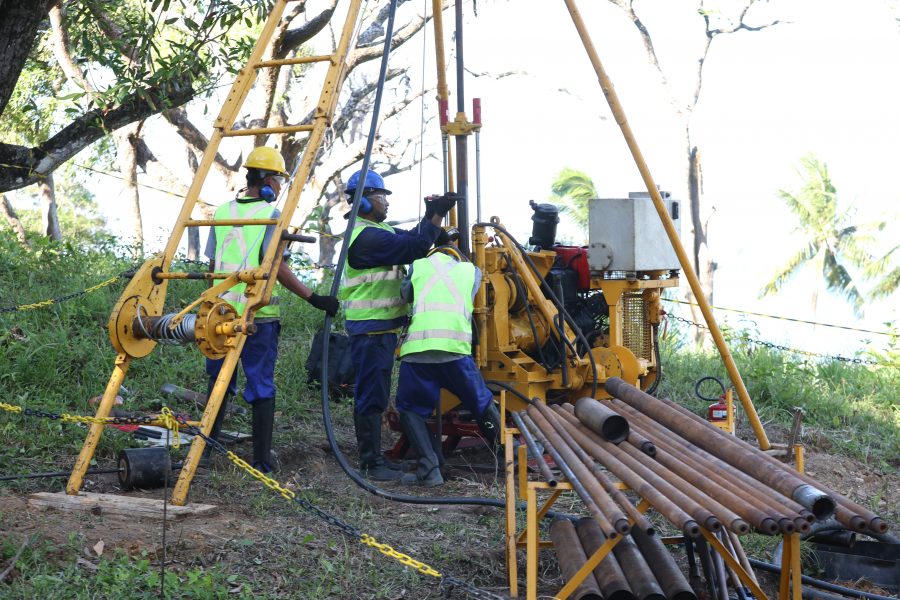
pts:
[375, 247]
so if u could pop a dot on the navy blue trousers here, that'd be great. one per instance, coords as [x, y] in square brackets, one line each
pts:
[419, 387]
[258, 361]
[373, 358]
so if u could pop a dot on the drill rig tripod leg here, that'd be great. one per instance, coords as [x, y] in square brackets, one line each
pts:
[96, 430]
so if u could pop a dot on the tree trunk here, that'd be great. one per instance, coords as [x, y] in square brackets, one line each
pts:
[126, 155]
[19, 22]
[12, 218]
[49, 216]
[701, 258]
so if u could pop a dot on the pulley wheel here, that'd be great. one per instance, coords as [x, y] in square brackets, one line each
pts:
[144, 468]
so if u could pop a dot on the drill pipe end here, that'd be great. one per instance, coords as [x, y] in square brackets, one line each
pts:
[786, 526]
[878, 525]
[740, 527]
[649, 449]
[802, 525]
[691, 529]
[811, 518]
[768, 526]
[712, 524]
[818, 502]
[622, 526]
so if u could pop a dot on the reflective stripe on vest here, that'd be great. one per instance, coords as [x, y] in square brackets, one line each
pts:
[372, 294]
[237, 249]
[442, 307]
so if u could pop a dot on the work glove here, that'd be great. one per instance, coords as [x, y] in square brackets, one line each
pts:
[447, 236]
[440, 205]
[329, 304]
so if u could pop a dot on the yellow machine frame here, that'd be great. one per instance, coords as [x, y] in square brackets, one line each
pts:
[220, 332]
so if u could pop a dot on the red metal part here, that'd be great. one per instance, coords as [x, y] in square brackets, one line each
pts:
[457, 432]
[575, 257]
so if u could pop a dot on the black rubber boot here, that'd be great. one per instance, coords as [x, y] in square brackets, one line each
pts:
[263, 425]
[489, 424]
[368, 439]
[206, 457]
[428, 471]
[386, 461]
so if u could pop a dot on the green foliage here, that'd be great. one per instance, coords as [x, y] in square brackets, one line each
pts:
[61, 573]
[571, 190]
[853, 404]
[125, 49]
[829, 242]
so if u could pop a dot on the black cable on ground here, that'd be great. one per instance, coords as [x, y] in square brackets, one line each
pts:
[335, 286]
[819, 583]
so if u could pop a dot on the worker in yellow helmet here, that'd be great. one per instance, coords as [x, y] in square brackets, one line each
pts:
[238, 248]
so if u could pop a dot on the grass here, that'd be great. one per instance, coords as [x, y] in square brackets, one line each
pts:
[57, 358]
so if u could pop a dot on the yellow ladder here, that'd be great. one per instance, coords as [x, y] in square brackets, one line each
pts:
[220, 332]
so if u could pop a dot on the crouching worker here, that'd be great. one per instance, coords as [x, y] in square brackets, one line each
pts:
[437, 353]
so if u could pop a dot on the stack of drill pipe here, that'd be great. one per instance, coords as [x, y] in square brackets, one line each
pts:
[611, 519]
[768, 511]
[672, 497]
[638, 568]
[798, 488]
[571, 556]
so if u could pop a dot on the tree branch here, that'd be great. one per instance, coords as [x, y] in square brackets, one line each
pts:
[29, 165]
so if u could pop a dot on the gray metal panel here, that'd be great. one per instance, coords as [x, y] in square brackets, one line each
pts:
[626, 234]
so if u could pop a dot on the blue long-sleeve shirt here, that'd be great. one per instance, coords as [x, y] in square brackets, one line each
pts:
[375, 247]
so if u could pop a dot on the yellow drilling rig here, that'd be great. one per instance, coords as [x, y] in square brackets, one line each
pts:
[554, 324]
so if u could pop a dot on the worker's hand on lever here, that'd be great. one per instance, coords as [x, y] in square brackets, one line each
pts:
[329, 304]
[437, 205]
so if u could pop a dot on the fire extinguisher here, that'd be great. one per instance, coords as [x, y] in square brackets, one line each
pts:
[717, 413]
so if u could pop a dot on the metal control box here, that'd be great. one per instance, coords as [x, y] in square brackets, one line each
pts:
[626, 234]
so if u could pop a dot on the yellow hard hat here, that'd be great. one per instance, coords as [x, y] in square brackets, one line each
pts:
[267, 159]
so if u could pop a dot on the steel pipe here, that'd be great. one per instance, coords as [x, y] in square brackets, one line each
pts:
[535, 451]
[635, 479]
[609, 425]
[602, 497]
[743, 485]
[608, 573]
[729, 448]
[693, 487]
[642, 443]
[679, 495]
[674, 584]
[584, 477]
[641, 579]
[571, 477]
[571, 558]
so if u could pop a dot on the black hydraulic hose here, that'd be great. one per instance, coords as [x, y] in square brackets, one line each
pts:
[659, 369]
[57, 474]
[556, 301]
[818, 583]
[335, 286]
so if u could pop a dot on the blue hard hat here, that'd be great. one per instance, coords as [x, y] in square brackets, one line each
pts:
[373, 181]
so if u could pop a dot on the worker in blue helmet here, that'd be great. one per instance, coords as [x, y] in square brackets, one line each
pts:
[374, 310]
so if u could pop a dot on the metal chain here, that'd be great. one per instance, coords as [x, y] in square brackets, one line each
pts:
[855, 361]
[166, 419]
[60, 299]
[447, 582]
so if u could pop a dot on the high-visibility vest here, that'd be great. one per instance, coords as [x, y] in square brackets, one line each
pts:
[372, 294]
[237, 249]
[442, 306]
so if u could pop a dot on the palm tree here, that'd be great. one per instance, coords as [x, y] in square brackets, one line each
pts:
[829, 243]
[571, 190]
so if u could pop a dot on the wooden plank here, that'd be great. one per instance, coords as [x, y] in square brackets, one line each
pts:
[110, 504]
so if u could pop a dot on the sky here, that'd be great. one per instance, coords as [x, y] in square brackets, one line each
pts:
[824, 81]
